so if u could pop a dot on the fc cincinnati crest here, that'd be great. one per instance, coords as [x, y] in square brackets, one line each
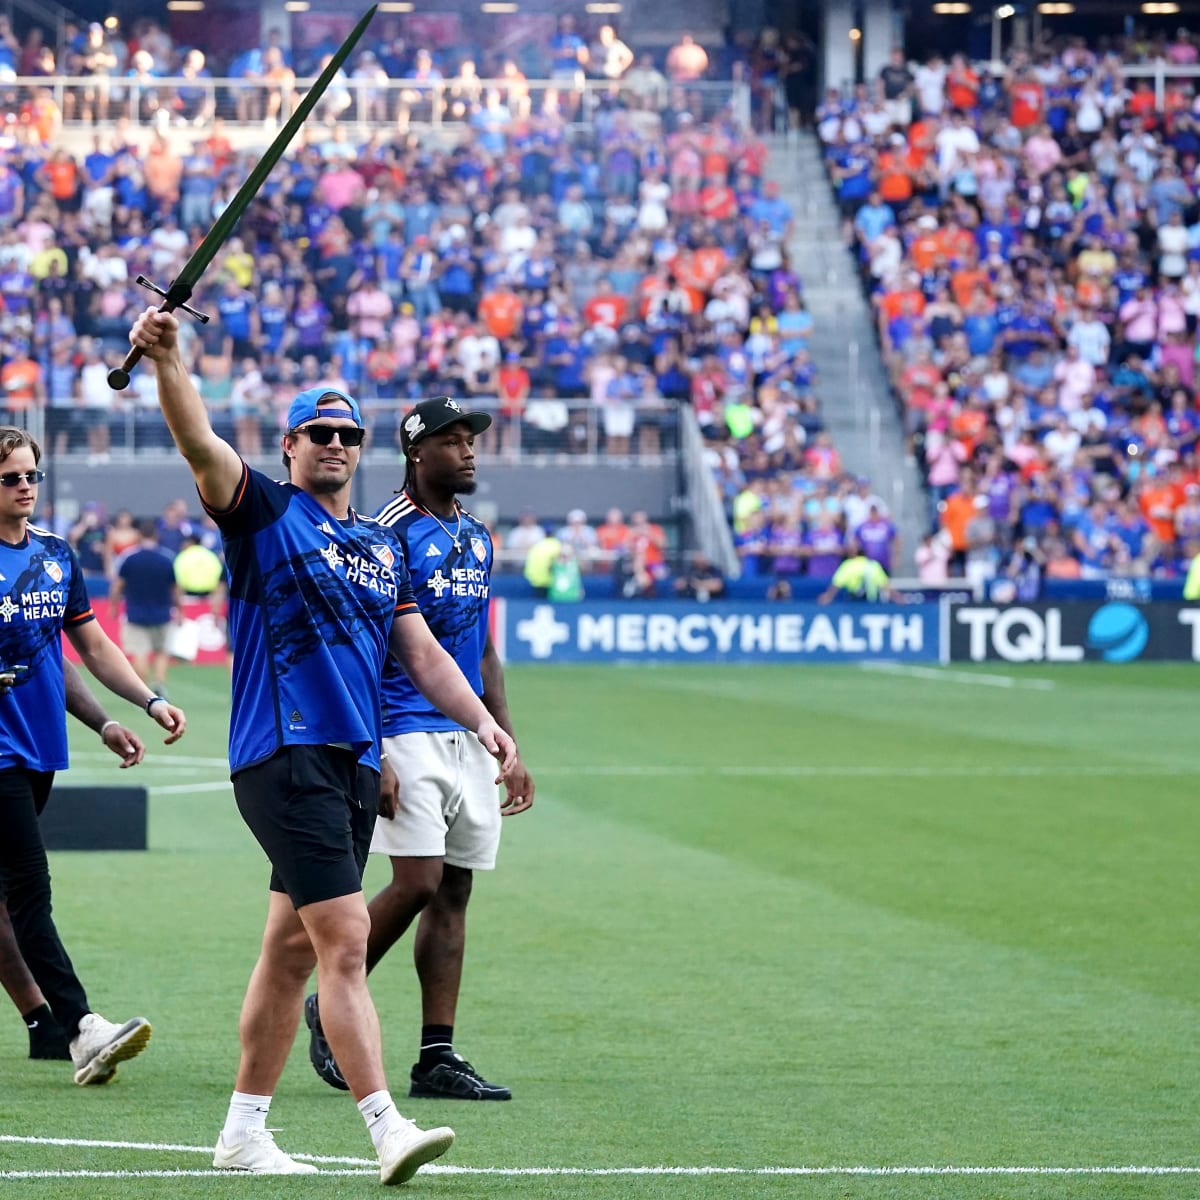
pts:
[54, 571]
[479, 549]
[385, 555]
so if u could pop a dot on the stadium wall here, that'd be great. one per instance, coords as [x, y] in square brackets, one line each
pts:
[551, 490]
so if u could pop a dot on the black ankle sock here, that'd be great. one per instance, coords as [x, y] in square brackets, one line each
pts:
[436, 1040]
[42, 1024]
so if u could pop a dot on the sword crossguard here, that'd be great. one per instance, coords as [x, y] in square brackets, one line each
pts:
[176, 301]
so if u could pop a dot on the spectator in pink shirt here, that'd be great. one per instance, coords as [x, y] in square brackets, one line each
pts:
[1042, 152]
[341, 185]
[1139, 325]
[1075, 377]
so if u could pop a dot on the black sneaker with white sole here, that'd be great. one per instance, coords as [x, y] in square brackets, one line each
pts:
[453, 1078]
[319, 1053]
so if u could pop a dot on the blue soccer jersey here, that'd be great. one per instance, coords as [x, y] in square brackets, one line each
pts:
[311, 605]
[451, 585]
[43, 592]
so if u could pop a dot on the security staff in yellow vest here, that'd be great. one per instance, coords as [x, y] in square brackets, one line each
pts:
[858, 578]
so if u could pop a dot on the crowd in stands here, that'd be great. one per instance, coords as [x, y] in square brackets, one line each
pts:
[629, 264]
[1030, 241]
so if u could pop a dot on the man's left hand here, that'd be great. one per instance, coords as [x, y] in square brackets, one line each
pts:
[124, 743]
[172, 719]
[518, 790]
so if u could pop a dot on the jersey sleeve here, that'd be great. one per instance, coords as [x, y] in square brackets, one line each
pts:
[79, 606]
[257, 503]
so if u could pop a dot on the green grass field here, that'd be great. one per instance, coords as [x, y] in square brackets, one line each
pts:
[758, 918]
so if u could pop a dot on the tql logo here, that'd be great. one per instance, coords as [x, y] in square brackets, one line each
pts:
[1119, 632]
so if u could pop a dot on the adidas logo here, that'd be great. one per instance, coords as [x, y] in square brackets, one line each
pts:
[296, 715]
[433, 551]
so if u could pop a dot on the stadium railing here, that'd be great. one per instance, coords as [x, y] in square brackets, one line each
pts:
[551, 428]
[406, 103]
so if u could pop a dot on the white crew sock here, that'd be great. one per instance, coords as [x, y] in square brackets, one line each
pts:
[246, 1113]
[380, 1114]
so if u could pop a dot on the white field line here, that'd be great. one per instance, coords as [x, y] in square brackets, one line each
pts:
[433, 1169]
[907, 770]
[786, 771]
[441, 1169]
[945, 675]
[162, 758]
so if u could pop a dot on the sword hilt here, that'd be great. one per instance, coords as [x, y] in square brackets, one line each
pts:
[176, 296]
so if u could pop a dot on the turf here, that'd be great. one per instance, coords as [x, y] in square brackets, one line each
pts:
[758, 918]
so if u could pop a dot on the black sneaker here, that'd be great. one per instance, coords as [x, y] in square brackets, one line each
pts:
[319, 1053]
[453, 1078]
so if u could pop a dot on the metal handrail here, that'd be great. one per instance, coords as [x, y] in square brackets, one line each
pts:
[450, 101]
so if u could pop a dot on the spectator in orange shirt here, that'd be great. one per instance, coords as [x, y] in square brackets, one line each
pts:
[501, 311]
[513, 385]
[717, 201]
[606, 308]
[962, 85]
[59, 174]
[21, 383]
[955, 513]
[612, 535]
[163, 169]
[1158, 498]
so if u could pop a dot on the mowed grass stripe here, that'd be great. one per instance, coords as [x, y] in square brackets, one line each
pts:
[705, 971]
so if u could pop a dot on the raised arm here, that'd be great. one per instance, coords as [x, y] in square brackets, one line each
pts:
[214, 462]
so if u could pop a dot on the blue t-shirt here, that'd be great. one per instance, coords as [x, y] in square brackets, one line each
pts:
[452, 588]
[311, 605]
[43, 590]
[149, 576]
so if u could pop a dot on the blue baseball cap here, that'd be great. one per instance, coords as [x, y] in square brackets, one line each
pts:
[307, 406]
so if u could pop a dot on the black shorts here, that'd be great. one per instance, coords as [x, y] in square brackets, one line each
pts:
[312, 809]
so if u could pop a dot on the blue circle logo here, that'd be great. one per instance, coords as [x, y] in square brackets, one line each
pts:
[1119, 632]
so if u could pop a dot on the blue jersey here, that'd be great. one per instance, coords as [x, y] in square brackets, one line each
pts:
[311, 604]
[43, 591]
[451, 586]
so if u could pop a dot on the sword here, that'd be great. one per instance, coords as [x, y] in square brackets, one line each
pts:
[180, 291]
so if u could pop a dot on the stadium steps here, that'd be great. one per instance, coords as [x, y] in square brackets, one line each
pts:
[856, 402]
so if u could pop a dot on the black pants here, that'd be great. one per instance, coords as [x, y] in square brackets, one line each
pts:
[25, 887]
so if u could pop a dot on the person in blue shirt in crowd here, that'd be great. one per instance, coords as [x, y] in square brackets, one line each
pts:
[43, 596]
[447, 821]
[319, 597]
[144, 578]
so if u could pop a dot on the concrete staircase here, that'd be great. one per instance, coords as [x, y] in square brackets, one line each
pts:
[855, 400]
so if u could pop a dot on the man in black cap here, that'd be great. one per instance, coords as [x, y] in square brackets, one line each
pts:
[440, 784]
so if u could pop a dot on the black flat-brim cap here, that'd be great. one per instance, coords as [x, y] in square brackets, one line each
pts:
[431, 415]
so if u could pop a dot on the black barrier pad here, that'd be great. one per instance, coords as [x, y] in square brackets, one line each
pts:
[95, 818]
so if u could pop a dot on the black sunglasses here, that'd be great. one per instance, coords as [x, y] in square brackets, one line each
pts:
[322, 435]
[16, 478]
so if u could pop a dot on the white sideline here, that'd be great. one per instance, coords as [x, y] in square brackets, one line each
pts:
[442, 1169]
[931, 771]
[945, 675]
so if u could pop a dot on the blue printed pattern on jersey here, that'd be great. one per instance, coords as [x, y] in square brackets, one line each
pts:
[311, 604]
[43, 592]
[451, 587]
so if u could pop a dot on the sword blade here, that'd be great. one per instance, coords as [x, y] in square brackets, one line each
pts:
[189, 275]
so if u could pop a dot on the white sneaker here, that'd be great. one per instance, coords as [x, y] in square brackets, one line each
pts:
[100, 1045]
[407, 1148]
[258, 1155]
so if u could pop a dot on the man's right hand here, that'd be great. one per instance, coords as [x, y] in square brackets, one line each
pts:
[155, 334]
